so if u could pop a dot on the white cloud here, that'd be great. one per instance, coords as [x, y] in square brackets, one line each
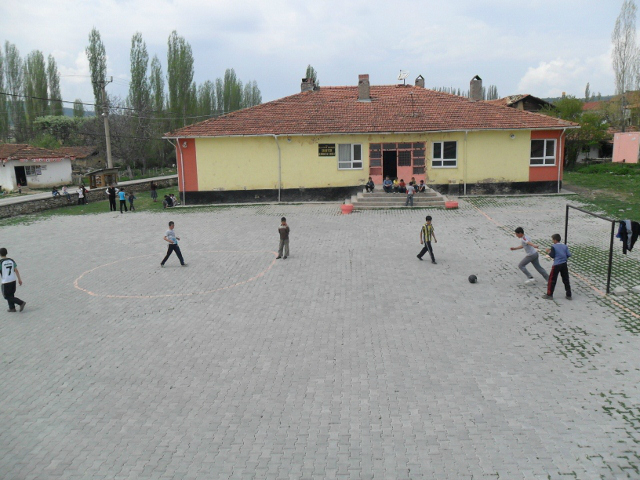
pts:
[569, 75]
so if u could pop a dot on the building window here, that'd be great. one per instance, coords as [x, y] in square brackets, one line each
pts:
[33, 170]
[543, 152]
[445, 154]
[349, 156]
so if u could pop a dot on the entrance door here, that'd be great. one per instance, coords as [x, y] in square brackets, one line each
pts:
[21, 176]
[390, 164]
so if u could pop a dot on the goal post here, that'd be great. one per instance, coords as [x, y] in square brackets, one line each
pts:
[613, 226]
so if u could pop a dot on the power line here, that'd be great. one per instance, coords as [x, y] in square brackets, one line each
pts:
[176, 115]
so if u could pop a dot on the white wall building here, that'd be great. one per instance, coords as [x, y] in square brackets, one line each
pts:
[25, 165]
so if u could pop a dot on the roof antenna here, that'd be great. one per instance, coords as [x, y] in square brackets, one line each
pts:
[403, 76]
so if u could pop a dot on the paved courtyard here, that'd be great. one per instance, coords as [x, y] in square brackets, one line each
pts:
[350, 359]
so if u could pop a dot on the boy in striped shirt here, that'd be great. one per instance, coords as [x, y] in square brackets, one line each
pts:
[426, 234]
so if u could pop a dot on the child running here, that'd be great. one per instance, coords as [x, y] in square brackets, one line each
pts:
[531, 257]
[560, 254]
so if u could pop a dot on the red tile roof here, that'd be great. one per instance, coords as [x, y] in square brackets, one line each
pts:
[78, 152]
[392, 109]
[21, 151]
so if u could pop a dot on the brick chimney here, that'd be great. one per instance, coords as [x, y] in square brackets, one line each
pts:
[364, 90]
[307, 85]
[420, 81]
[475, 89]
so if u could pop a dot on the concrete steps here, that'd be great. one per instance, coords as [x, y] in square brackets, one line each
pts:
[380, 199]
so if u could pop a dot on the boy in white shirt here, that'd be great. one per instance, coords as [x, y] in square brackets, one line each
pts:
[9, 270]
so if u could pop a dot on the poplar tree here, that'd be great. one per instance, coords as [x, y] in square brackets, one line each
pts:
[53, 79]
[14, 77]
[179, 78]
[156, 85]
[232, 90]
[97, 57]
[4, 113]
[139, 91]
[312, 75]
[78, 109]
[625, 54]
[207, 99]
[35, 88]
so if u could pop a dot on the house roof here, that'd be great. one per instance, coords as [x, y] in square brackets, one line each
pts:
[78, 152]
[392, 109]
[21, 151]
[513, 99]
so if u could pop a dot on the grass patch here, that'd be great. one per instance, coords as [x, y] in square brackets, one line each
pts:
[143, 203]
[611, 188]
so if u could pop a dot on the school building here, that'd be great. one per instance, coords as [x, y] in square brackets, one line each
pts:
[324, 143]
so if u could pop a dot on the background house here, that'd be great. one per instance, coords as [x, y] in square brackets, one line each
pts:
[25, 165]
[324, 142]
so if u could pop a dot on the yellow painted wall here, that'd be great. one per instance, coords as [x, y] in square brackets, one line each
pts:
[251, 163]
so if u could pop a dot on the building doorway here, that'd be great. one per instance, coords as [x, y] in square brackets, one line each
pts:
[390, 164]
[21, 177]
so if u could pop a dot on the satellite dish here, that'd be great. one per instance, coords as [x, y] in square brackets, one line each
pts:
[403, 75]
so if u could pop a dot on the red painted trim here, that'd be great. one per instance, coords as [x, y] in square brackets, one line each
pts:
[548, 173]
[187, 155]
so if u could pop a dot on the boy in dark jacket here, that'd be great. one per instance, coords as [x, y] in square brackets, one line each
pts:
[560, 254]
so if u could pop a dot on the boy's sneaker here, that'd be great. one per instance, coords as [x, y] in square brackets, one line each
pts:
[419, 257]
[184, 264]
[284, 258]
[530, 281]
[25, 303]
[568, 297]
[11, 310]
[434, 262]
[547, 297]
[278, 258]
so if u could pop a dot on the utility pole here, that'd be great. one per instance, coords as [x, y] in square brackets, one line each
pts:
[105, 115]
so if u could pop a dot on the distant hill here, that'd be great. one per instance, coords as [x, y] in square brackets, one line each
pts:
[68, 112]
[603, 98]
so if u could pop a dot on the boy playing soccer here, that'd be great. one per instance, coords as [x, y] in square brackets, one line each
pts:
[560, 254]
[9, 270]
[426, 234]
[172, 240]
[531, 257]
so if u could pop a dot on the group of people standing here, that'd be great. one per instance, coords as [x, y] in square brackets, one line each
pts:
[82, 194]
[113, 191]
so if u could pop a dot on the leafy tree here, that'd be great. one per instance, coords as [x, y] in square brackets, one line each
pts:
[35, 87]
[14, 72]
[139, 91]
[312, 75]
[179, 78]
[78, 109]
[587, 93]
[232, 89]
[251, 95]
[4, 114]
[592, 131]
[625, 52]
[207, 99]
[97, 57]
[156, 85]
[65, 130]
[53, 79]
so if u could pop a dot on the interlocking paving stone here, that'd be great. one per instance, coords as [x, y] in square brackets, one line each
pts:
[350, 359]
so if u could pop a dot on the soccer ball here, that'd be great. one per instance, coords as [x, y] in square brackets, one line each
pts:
[473, 279]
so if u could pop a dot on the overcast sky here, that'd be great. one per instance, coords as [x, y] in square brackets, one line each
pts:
[535, 46]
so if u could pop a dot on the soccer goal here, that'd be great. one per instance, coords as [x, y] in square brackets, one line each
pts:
[592, 235]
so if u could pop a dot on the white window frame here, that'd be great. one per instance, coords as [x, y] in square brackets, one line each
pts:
[545, 160]
[351, 163]
[439, 162]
